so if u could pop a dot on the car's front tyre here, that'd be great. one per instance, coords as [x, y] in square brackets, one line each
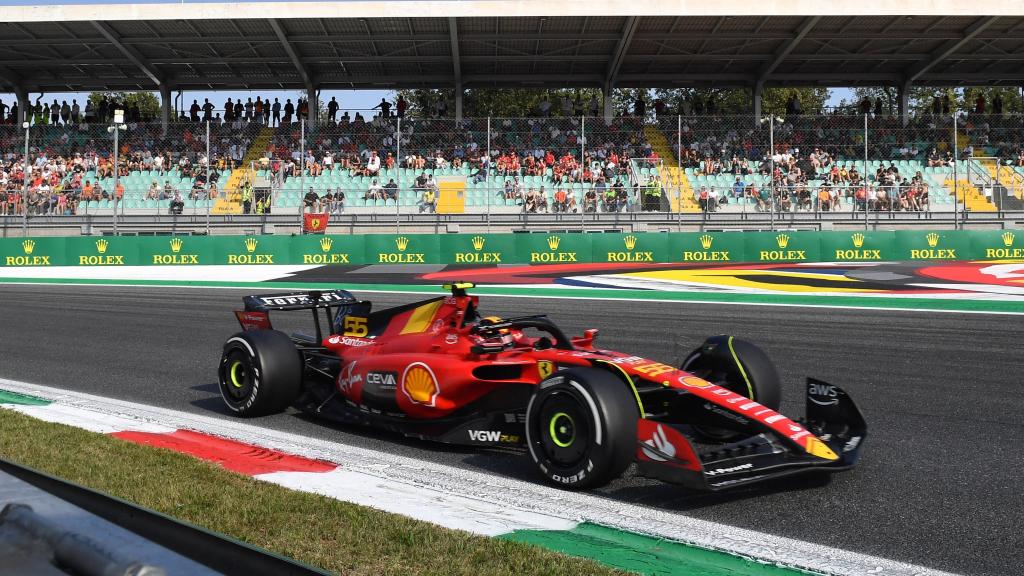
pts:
[260, 373]
[581, 427]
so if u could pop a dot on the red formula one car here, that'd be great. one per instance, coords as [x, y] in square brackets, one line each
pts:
[439, 370]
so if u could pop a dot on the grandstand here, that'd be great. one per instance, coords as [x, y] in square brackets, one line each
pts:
[668, 167]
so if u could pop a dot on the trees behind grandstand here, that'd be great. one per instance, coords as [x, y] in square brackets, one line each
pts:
[922, 98]
[147, 102]
[517, 102]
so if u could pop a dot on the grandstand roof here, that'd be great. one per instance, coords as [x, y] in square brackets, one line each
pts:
[43, 53]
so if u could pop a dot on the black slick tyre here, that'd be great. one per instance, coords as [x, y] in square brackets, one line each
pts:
[260, 373]
[581, 427]
[739, 366]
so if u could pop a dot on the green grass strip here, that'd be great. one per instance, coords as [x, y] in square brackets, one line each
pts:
[645, 554]
[15, 398]
[835, 301]
[333, 535]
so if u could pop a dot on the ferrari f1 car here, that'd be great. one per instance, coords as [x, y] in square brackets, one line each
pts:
[439, 370]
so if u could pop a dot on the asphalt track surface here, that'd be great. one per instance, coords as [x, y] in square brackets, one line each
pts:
[938, 484]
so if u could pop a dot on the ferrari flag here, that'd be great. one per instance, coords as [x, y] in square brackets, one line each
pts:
[315, 223]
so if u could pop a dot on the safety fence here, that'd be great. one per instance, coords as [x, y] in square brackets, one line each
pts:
[518, 248]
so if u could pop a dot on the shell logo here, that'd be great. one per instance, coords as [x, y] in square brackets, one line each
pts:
[419, 384]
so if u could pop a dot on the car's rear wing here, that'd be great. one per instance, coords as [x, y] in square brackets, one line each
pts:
[256, 315]
[298, 300]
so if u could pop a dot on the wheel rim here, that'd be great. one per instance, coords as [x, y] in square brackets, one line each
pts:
[563, 429]
[237, 374]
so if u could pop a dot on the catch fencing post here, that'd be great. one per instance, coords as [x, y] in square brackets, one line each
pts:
[302, 171]
[208, 159]
[24, 179]
[956, 180]
[487, 175]
[771, 159]
[865, 177]
[679, 170]
[583, 156]
[398, 173]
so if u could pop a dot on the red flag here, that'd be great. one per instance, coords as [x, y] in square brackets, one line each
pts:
[315, 223]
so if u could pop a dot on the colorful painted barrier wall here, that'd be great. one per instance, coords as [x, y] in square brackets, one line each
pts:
[526, 248]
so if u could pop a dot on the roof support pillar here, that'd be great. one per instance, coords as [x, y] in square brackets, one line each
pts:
[758, 91]
[313, 105]
[458, 101]
[453, 38]
[904, 103]
[165, 107]
[609, 105]
[23, 104]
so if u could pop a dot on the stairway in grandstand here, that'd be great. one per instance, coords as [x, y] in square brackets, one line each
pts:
[676, 182]
[1008, 182]
[968, 193]
[230, 201]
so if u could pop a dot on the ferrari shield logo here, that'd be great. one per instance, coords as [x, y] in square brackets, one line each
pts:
[545, 368]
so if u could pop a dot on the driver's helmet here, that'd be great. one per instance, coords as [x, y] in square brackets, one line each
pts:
[504, 336]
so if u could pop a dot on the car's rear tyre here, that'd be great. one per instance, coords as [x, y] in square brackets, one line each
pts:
[739, 366]
[260, 373]
[581, 427]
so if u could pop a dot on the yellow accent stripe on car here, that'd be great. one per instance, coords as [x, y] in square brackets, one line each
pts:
[421, 316]
[631, 385]
[750, 387]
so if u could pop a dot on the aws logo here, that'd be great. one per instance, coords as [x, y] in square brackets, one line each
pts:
[30, 258]
[250, 257]
[477, 255]
[858, 252]
[554, 256]
[706, 254]
[783, 253]
[101, 258]
[630, 255]
[325, 256]
[176, 256]
[933, 252]
[1008, 251]
[402, 244]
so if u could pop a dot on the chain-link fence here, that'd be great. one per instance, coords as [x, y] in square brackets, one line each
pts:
[674, 167]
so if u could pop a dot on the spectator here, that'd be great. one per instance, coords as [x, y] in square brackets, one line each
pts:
[177, 205]
[428, 202]
[311, 202]
[391, 190]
